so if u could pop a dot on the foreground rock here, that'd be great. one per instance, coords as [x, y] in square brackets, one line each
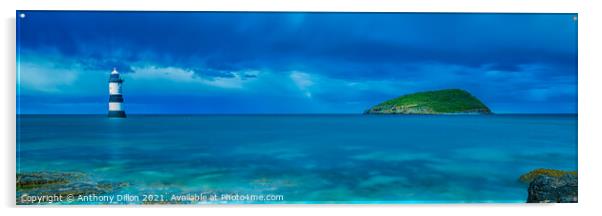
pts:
[30, 180]
[60, 184]
[551, 186]
[530, 176]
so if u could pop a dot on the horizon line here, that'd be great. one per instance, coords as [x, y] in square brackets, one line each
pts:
[217, 114]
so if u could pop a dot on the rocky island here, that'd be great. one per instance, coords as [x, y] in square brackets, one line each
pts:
[447, 101]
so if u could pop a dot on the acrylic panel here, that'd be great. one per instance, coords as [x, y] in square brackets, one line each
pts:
[295, 107]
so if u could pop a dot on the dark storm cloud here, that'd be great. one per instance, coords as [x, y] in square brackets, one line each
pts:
[228, 41]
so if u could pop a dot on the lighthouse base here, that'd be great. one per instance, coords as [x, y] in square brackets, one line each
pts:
[117, 114]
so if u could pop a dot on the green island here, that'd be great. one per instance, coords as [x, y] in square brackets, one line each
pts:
[447, 101]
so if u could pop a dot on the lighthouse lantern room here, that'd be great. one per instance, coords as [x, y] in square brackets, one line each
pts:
[116, 109]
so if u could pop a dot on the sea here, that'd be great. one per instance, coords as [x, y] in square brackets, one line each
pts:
[305, 159]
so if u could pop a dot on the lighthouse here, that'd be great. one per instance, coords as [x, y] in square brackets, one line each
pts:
[115, 98]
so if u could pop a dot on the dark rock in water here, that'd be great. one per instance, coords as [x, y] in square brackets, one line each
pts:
[548, 189]
[530, 176]
[38, 179]
[61, 184]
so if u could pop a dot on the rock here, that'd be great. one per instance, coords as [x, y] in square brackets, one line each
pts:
[61, 184]
[549, 189]
[530, 176]
[38, 179]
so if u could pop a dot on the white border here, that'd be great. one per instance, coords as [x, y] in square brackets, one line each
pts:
[589, 101]
[311, 5]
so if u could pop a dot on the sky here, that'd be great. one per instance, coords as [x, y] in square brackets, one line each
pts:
[262, 63]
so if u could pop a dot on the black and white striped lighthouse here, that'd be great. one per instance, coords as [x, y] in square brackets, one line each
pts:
[115, 98]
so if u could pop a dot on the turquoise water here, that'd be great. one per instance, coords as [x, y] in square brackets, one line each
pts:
[306, 158]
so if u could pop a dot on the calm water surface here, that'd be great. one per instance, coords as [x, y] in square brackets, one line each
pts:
[306, 158]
